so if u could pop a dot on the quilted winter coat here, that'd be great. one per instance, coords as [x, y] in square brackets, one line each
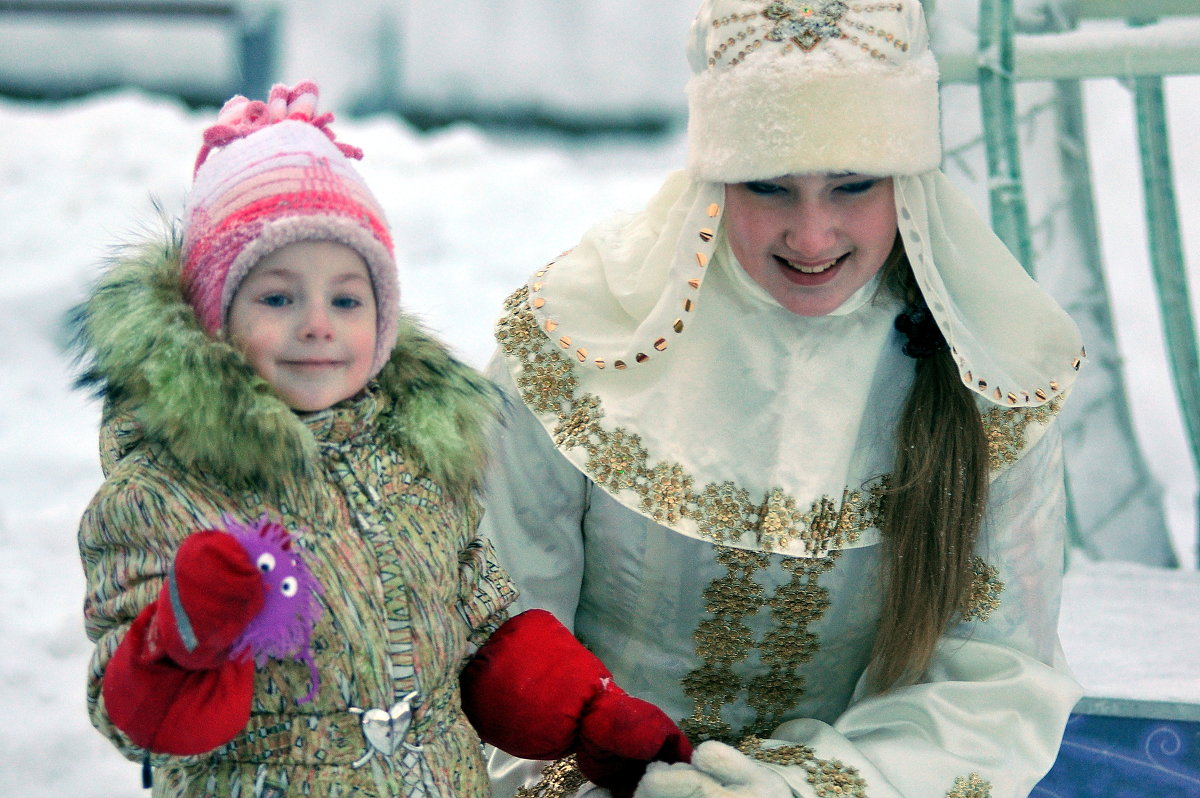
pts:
[381, 492]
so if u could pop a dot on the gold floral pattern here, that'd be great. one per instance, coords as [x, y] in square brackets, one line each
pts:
[1005, 429]
[829, 778]
[577, 427]
[725, 509]
[972, 786]
[668, 493]
[559, 779]
[826, 525]
[616, 462]
[725, 639]
[780, 520]
[722, 641]
[724, 513]
[789, 644]
[986, 587]
[542, 380]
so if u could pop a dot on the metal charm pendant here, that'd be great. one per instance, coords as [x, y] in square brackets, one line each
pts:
[385, 729]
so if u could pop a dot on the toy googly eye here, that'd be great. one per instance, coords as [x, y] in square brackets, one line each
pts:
[266, 562]
[289, 586]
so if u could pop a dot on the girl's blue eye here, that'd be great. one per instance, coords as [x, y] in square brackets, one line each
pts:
[347, 303]
[275, 300]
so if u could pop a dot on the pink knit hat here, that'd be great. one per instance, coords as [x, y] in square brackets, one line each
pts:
[271, 174]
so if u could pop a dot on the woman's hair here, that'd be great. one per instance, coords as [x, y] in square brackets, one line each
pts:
[932, 508]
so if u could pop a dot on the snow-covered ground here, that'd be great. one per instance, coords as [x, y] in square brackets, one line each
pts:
[473, 213]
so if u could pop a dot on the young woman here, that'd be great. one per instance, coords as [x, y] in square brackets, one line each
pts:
[782, 450]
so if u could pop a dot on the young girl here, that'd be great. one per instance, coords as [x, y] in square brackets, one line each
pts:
[784, 452]
[258, 374]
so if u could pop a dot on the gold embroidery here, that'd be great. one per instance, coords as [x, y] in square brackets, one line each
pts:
[722, 641]
[545, 381]
[829, 778]
[828, 527]
[986, 588]
[780, 520]
[669, 492]
[724, 513]
[725, 509]
[560, 778]
[576, 428]
[517, 332]
[789, 644]
[1005, 429]
[972, 786]
[616, 462]
[725, 639]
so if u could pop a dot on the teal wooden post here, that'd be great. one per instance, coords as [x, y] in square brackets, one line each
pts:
[1006, 190]
[1105, 372]
[1166, 256]
[1010, 219]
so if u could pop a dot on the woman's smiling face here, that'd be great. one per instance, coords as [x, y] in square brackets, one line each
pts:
[811, 240]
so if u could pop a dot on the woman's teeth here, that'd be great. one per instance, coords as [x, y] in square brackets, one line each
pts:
[808, 268]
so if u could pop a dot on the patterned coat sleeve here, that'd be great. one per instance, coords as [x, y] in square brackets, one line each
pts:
[485, 590]
[127, 539]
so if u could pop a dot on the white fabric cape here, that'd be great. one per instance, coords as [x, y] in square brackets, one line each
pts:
[737, 421]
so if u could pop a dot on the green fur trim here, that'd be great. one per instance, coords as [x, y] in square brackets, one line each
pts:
[143, 349]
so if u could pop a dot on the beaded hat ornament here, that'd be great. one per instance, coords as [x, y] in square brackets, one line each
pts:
[797, 86]
[271, 174]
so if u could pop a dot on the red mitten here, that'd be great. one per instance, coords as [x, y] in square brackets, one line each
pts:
[526, 689]
[172, 685]
[620, 735]
[536, 692]
[212, 592]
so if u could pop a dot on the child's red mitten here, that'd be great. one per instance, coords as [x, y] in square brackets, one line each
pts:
[211, 594]
[536, 692]
[172, 685]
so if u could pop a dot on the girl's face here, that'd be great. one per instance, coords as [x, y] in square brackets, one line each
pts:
[304, 317]
[811, 240]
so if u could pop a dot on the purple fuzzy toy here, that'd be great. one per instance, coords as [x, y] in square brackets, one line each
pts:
[283, 627]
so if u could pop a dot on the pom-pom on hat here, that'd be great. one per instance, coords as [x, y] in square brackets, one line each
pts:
[799, 86]
[271, 174]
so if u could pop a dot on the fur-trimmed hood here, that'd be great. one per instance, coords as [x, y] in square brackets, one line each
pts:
[141, 348]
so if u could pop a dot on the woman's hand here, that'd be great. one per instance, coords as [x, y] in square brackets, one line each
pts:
[716, 771]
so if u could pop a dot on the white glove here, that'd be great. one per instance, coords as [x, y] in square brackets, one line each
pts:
[716, 771]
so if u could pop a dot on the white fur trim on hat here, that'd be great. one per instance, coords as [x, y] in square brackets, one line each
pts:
[791, 87]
